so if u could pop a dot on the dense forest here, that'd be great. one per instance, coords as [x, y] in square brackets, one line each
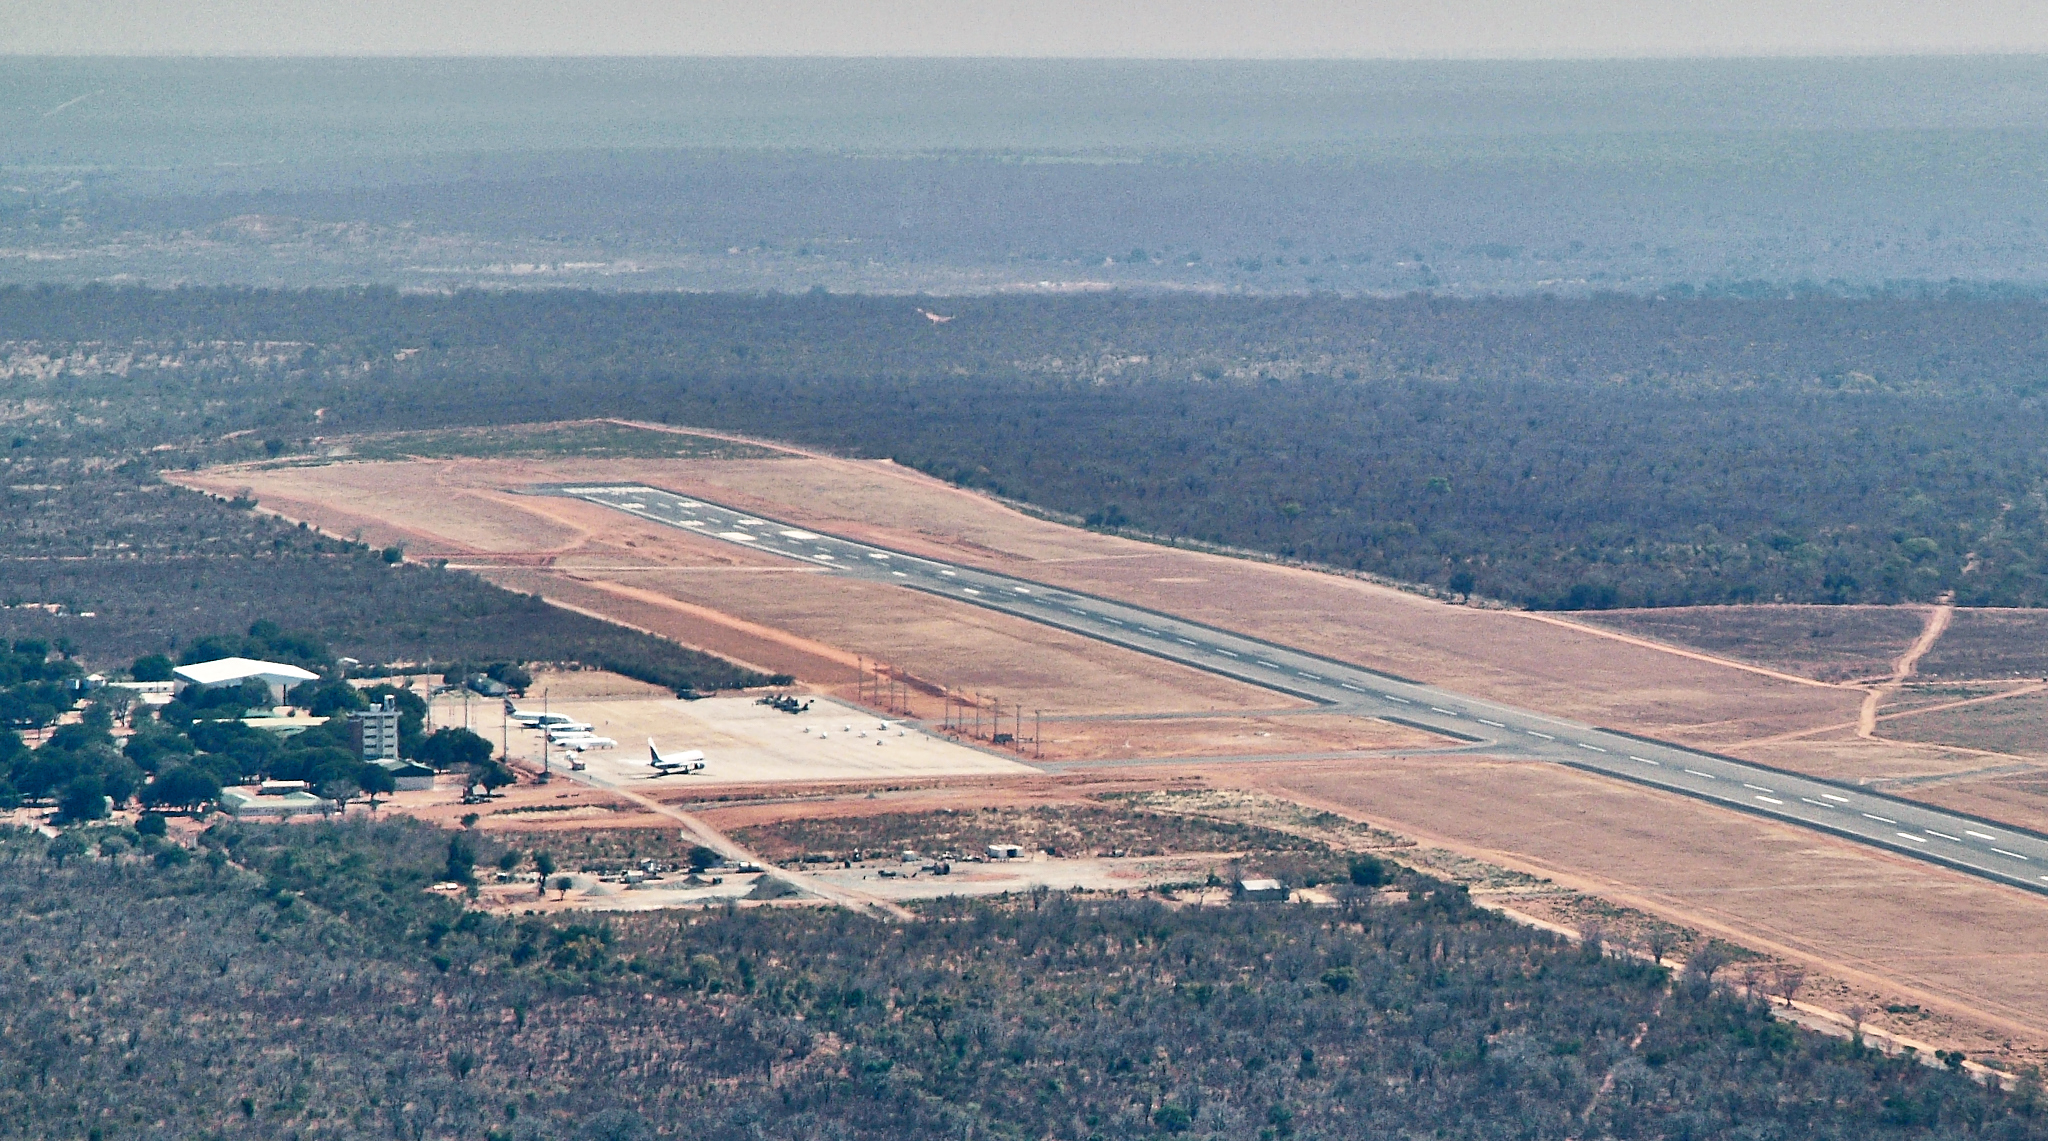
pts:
[1552, 453]
[288, 981]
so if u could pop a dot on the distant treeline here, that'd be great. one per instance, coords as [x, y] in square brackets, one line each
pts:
[1578, 454]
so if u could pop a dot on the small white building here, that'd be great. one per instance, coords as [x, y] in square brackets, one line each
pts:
[1004, 851]
[279, 676]
[240, 802]
[1262, 891]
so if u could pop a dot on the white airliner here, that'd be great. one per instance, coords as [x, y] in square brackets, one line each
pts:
[533, 720]
[566, 730]
[582, 742]
[674, 764]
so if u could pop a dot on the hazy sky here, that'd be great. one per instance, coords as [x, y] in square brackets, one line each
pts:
[1129, 28]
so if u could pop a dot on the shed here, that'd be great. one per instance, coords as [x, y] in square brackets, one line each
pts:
[1262, 891]
[1004, 851]
[408, 776]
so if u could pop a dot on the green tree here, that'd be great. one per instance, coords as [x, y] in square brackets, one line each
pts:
[492, 775]
[461, 867]
[454, 749]
[151, 667]
[375, 781]
[181, 786]
[1368, 872]
[83, 799]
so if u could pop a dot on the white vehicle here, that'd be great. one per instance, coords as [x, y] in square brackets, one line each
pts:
[579, 744]
[674, 764]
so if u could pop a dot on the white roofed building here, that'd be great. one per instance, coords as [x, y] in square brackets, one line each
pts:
[279, 676]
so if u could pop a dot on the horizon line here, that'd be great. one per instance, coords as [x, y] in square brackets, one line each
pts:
[1878, 55]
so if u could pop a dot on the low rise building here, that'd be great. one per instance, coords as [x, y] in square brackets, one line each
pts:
[148, 692]
[244, 803]
[407, 776]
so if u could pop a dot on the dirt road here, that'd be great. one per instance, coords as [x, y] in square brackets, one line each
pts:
[1903, 666]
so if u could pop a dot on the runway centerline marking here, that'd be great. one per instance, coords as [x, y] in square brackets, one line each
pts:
[1007, 593]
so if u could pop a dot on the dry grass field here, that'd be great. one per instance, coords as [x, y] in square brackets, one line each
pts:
[1991, 644]
[1827, 643]
[1718, 681]
[1296, 734]
[1881, 930]
[2012, 726]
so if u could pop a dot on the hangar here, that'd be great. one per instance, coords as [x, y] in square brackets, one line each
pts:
[279, 676]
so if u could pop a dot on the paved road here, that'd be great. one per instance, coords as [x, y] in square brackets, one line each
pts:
[1993, 851]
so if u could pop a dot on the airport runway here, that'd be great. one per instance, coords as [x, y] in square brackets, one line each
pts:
[1996, 852]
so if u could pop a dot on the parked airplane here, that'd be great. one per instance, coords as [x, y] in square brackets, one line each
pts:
[582, 742]
[567, 729]
[532, 720]
[674, 764]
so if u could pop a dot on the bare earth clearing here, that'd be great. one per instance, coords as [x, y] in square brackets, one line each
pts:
[1858, 918]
